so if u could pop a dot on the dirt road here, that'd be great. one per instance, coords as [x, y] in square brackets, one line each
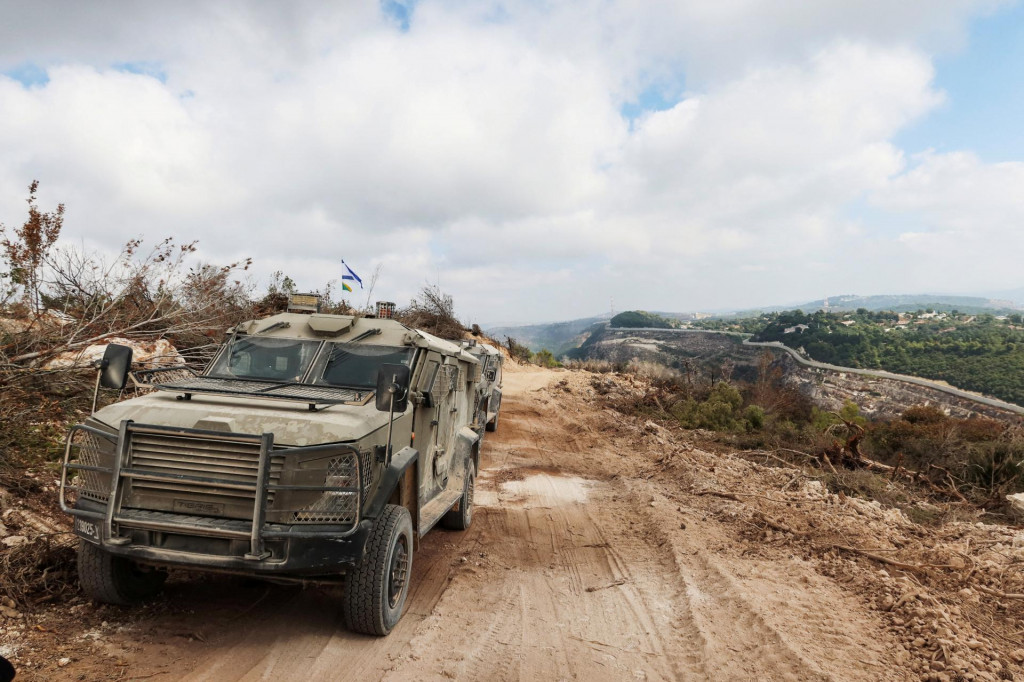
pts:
[580, 564]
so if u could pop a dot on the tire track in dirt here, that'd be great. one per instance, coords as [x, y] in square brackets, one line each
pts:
[562, 601]
[750, 630]
[305, 633]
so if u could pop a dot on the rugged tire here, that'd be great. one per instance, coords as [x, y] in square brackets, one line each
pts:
[493, 424]
[459, 517]
[115, 580]
[377, 587]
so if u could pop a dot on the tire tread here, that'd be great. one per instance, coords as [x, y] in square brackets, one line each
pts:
[364, 586]
[455, 519]
[109, 579]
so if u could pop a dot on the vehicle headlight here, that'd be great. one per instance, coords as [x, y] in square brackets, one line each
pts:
[334, 506]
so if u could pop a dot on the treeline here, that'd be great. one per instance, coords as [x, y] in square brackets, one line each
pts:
[973, 352]
[641, 319]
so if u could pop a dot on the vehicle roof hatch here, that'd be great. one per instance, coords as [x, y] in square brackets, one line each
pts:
[330, 324]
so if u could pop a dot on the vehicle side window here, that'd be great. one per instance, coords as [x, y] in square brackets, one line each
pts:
[429, 374]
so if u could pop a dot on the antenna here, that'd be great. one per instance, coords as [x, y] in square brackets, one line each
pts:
[612, 306]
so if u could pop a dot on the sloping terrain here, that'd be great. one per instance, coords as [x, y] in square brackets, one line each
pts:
[602, 548]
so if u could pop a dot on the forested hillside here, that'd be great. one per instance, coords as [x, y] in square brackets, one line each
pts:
[981, 353]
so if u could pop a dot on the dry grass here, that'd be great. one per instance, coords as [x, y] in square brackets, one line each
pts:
[41, 570]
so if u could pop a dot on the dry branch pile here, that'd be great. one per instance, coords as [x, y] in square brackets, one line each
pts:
[59, 307]
[433, 311]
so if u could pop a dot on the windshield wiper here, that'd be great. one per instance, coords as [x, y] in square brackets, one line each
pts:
[276, 325]
[246, 345]
[338, 349]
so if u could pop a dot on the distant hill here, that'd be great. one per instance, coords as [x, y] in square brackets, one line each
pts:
[640, 318]
[1016, 296]
[557, 337]
[897, 303]
[562, 337]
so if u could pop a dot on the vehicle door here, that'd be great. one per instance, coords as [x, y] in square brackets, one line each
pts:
[436, 422]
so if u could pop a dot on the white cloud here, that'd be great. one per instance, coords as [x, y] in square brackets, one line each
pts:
[486, 144]
[957, 192]
[967, 218]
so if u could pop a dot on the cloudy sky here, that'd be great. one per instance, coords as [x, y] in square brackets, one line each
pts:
[536, 159]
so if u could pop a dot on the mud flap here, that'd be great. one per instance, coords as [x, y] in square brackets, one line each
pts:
[465, 451]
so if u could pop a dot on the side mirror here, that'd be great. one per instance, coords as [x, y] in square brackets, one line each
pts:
[114, 366]
[6, 670]
[392, 380]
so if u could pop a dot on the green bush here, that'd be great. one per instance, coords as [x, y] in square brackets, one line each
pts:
[546, 358]
[519, 352]
[754, 417]
[720, 411]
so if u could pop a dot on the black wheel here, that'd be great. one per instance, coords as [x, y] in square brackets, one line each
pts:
[461, 515]
[115, 580]
[376, 588]
[493, 424]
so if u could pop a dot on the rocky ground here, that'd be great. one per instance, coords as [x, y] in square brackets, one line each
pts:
[603, 547]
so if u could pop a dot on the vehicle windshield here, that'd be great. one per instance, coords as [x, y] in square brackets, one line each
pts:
[354, 365]
[268, 359]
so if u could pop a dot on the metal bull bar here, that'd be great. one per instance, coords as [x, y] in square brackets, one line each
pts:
[123, 469]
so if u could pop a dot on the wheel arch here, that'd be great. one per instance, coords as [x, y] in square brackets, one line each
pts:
[389, 490]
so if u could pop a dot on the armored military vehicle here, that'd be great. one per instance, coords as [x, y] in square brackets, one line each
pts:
[313, 448]
[489, 388]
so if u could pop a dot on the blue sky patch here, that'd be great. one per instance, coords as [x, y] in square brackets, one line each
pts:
[399, 11]
[143, 68]
[985, 100]
[28, 74]
[652, 98]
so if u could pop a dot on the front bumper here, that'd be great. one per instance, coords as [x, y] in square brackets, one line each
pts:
[185, 476]
[162, 539]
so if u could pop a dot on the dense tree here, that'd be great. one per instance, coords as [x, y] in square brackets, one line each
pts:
[982, 354]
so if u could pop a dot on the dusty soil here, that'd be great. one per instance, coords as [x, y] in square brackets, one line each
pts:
[602, 548]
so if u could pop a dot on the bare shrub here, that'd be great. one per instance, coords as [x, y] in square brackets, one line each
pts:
[142, 294]
[518, 351]
[596, 366]
[25, 251]
[58, 300]
[433, 311]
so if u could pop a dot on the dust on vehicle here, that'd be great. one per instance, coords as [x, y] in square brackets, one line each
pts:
[489, 387]
[313, 447]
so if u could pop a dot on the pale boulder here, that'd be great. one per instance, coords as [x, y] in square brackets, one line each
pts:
[159, 353]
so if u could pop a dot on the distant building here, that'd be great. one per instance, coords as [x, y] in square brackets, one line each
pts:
[800, 327]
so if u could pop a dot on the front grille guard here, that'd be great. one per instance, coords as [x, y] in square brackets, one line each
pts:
[258, 531]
